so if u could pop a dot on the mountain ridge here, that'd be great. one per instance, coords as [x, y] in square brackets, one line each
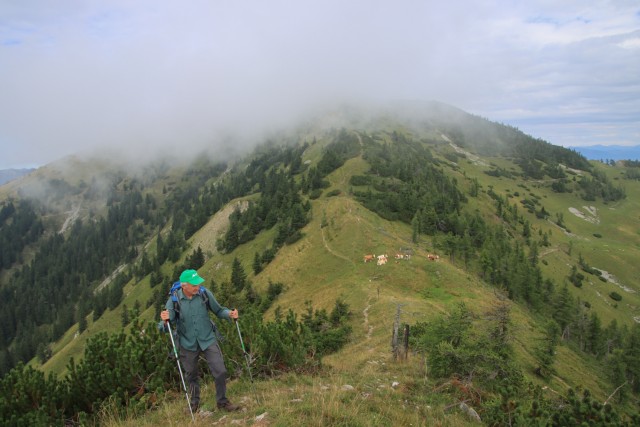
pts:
[350, 217]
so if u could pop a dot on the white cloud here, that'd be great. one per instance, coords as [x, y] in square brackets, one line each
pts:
[81, 74]
[630, 43]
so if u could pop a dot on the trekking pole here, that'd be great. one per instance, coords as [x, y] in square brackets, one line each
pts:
[184, 386]
[247, 359]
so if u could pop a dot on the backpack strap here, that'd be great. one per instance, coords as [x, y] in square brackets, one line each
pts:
[205, 297]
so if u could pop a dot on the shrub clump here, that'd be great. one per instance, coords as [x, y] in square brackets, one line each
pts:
[615, 296]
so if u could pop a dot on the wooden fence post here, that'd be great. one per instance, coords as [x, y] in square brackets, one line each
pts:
[394, 336]
[406, 342]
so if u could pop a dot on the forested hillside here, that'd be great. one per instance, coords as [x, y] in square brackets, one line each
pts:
[494, 204]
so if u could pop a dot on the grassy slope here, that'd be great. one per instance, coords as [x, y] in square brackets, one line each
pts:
[617, 251]
[327, 263]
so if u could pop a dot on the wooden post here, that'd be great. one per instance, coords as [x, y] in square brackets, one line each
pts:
[394, 337]
[406, 342]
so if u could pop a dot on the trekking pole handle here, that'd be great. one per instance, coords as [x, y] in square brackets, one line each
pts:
[167, 325]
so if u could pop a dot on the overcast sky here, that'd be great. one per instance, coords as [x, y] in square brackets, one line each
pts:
[82, 74]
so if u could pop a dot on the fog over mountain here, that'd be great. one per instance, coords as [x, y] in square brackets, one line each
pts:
[142, 77]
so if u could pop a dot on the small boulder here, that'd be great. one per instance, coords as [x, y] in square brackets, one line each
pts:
[471, 413]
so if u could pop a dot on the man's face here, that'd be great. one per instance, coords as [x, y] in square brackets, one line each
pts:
[190, 290]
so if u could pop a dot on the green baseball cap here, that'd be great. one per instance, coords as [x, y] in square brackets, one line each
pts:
[191, 277]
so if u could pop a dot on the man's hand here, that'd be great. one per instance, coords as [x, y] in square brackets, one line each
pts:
[164, 315]
[233, 314]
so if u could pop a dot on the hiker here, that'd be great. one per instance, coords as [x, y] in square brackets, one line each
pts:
[197, 335]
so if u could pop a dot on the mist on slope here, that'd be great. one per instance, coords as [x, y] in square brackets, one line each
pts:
[141, 78]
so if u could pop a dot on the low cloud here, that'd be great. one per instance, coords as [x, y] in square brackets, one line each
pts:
[143, 77]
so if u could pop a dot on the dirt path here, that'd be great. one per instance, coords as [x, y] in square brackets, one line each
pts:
[73, 215]
[365, 313]
[331, 251]
[472, 157]
[109, 279]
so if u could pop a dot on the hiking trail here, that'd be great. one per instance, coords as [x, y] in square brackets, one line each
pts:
[331, 251]
[367, 326]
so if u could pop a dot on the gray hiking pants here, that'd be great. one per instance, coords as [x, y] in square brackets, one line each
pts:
[213, 356]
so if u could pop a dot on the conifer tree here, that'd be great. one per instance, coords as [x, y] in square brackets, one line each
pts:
[125, 315]
[612, 337]
[595, 344]
[196, 259]
[231, 239]
[632, 357]
[617, 369]
[238, 276]
[257, 264]
[298, 217]
[563, 312]
[415, 226]
[545, 352]
[82, 324]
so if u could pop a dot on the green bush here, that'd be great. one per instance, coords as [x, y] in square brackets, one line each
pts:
[27, 397]
[125, 369]
[360, 180]
[315, 194]
[294, 237]
[286, 343]
[615, 296]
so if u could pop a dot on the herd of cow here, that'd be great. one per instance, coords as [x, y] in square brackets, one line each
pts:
[382, 259]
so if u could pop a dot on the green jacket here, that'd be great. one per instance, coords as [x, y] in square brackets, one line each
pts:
[195, 328]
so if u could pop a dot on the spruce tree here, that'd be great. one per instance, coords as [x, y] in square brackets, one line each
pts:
[238, 276]
[563, 312]
[125, 315]
[257, 264]
[545, 352]
[82, 324]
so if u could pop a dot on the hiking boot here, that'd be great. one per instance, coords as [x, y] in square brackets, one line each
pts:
[228, 406]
